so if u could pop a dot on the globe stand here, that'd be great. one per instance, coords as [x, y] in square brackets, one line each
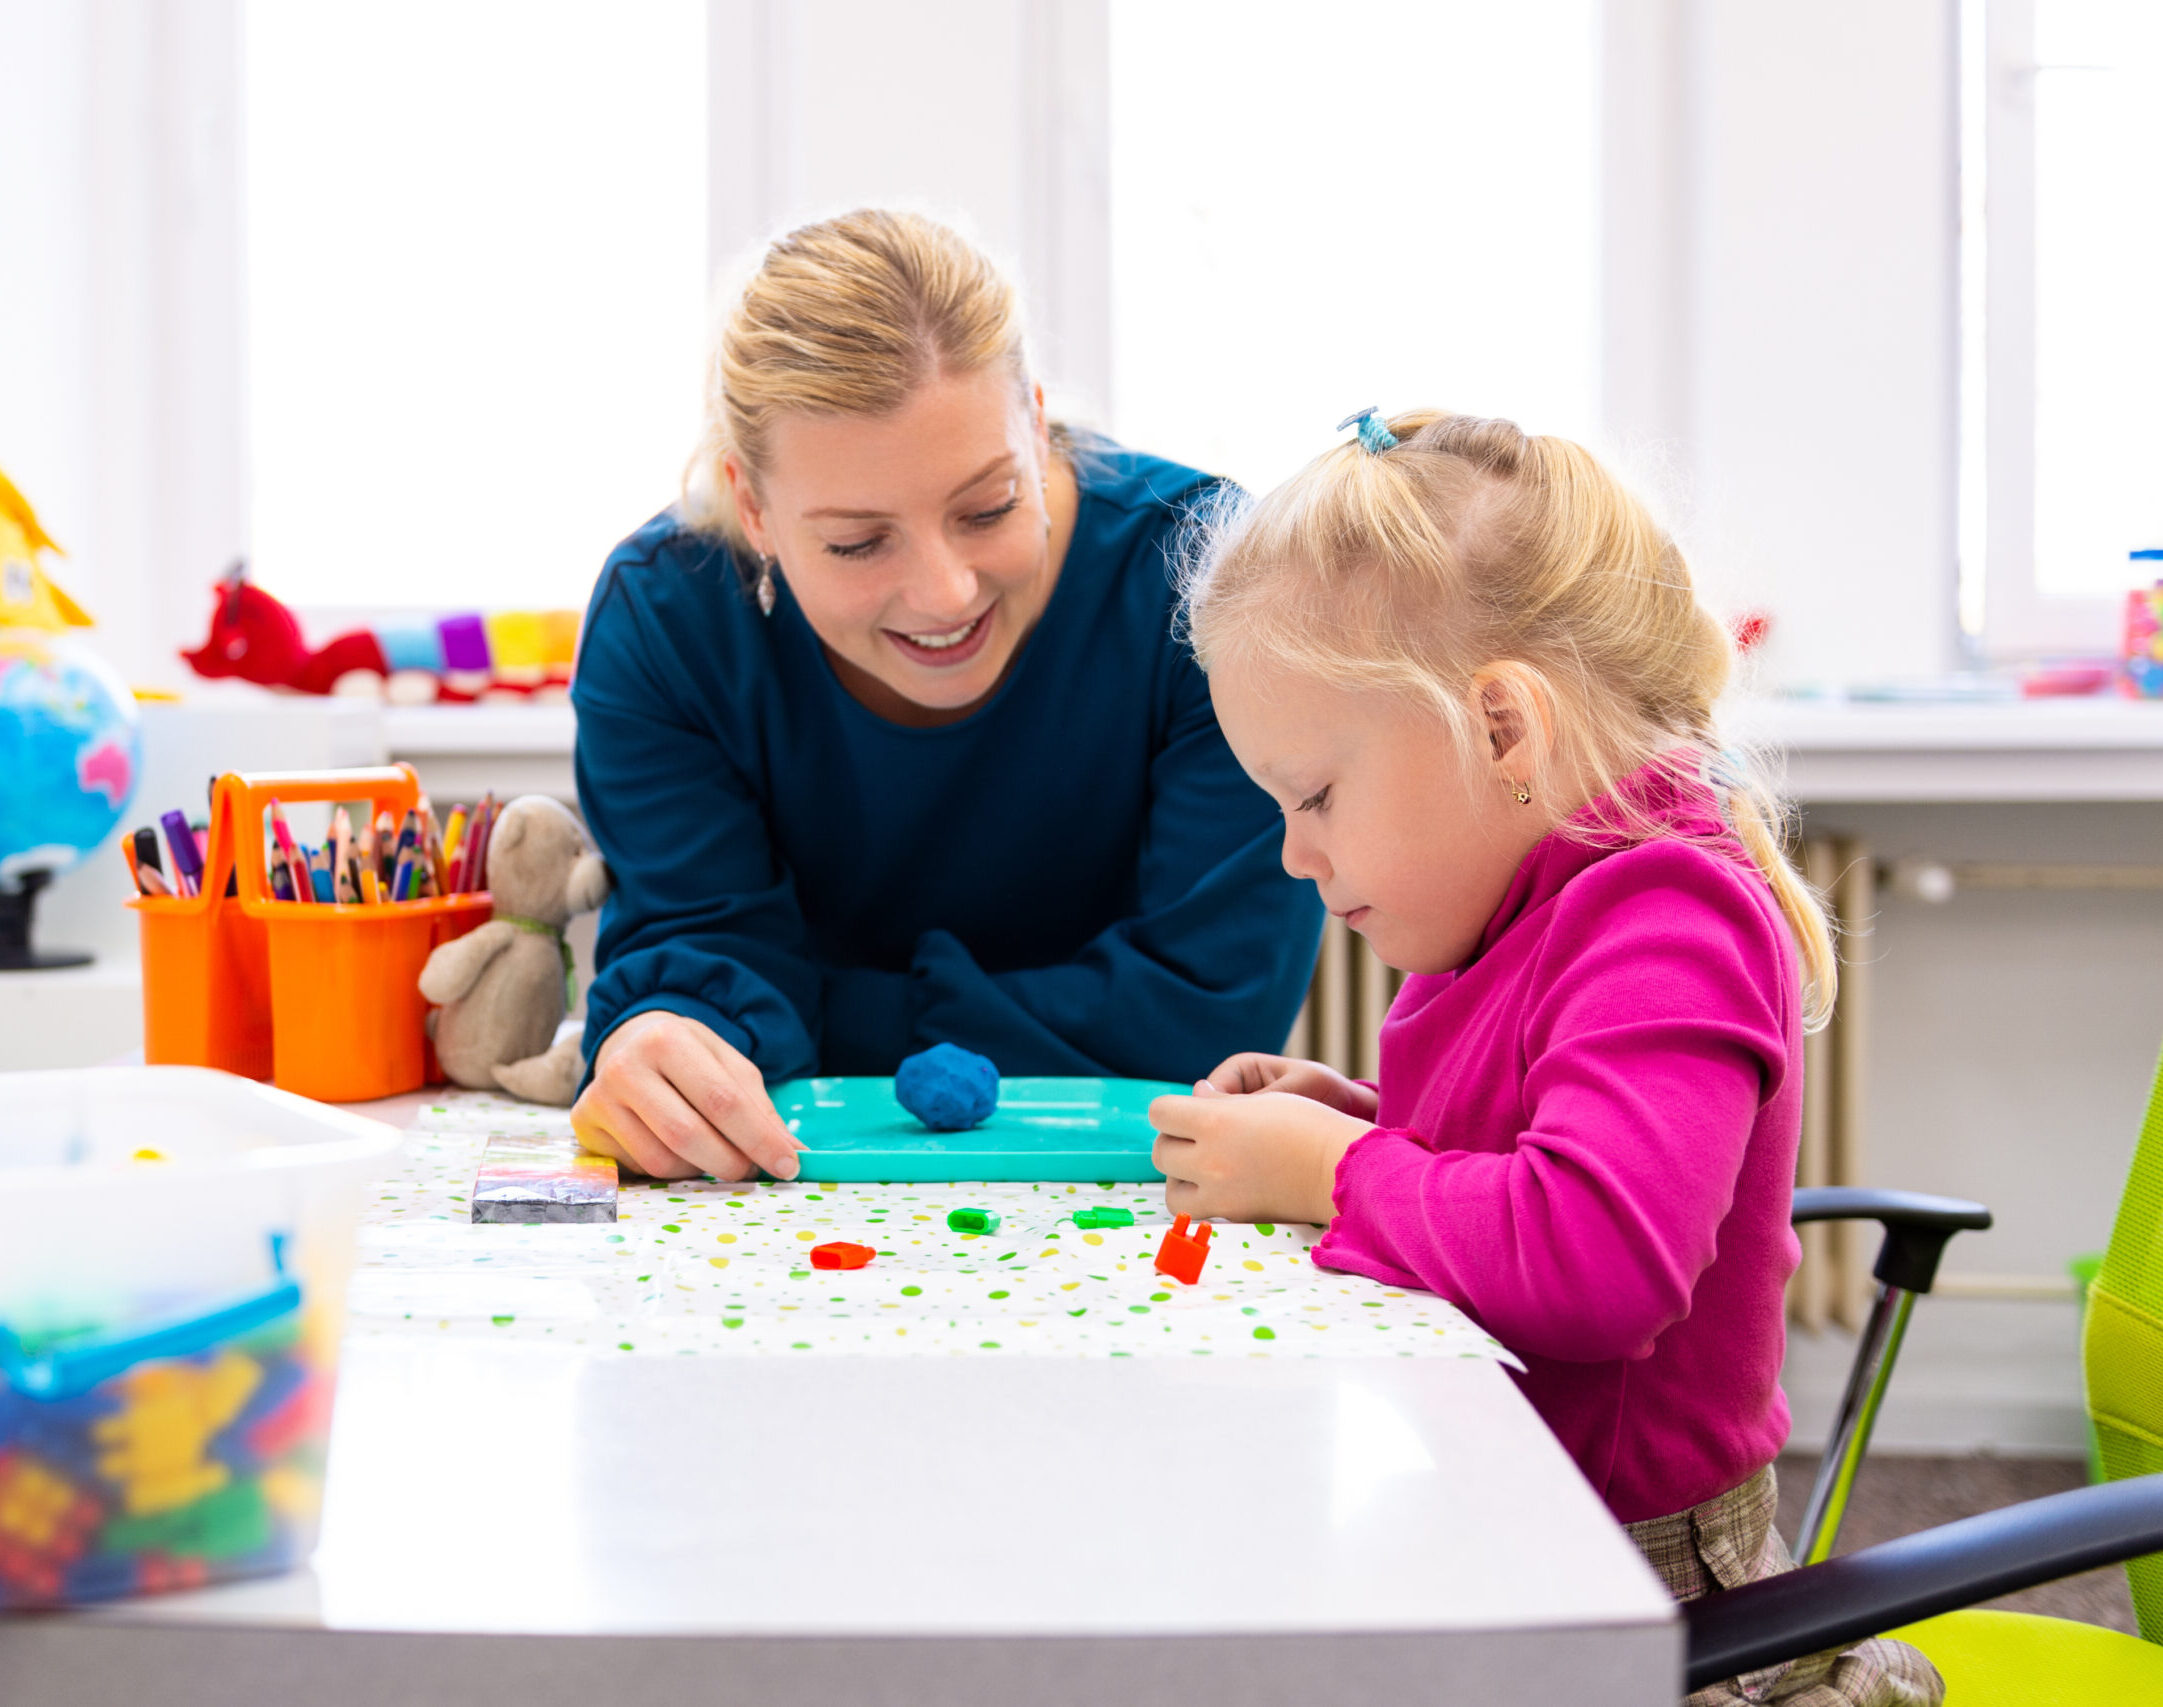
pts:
[16, 954]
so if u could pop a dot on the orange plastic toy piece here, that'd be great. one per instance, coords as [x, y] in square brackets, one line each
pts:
[841, 1254]
[1182, 1254]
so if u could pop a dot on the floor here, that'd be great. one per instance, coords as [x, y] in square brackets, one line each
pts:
[1897, 1496]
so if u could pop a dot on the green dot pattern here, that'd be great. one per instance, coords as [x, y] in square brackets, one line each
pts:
[710, 1267]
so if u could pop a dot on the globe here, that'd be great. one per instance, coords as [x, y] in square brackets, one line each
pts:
[71, 749]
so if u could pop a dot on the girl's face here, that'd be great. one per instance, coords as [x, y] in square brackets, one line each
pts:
[919, 544]
[1410, 843]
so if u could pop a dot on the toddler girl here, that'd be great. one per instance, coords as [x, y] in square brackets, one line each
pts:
[1473, 673]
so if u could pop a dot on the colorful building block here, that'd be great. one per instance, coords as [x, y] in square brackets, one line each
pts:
[45, 1523]
[1182, 1254]
[155, 1447]
[971, 1221]
[841, 1254]
[1104, 1218]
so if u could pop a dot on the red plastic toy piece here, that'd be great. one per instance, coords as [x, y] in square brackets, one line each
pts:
[841, 1254]
[1182, 1254]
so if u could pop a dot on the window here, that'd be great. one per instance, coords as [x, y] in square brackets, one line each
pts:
[2062, 456]
[1291, 242]
[476, 282]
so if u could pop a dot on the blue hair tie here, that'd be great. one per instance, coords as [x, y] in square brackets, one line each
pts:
[1374, 432]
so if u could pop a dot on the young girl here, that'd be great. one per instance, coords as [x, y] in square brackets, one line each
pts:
[1471, 670]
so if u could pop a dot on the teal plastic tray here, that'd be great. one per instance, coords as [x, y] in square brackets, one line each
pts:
[1043, 1129]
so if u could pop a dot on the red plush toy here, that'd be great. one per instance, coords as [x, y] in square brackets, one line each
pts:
[256, 638]
[462, 656]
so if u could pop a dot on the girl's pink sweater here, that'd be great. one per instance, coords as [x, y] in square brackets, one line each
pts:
[1587, 1140]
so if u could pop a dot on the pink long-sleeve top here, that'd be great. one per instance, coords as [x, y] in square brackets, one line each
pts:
[1587, 1140]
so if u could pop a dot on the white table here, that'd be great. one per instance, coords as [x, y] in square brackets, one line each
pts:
[542, 1521]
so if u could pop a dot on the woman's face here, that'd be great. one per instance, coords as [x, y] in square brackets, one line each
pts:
[919, 544]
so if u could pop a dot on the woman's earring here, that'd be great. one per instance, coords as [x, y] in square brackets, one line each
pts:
[1524, 795]
[765, 589]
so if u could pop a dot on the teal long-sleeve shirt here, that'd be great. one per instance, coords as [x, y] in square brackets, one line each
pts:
[1076, 878]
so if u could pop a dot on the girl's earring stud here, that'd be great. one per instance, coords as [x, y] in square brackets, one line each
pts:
[1524, 795]
[765, 591]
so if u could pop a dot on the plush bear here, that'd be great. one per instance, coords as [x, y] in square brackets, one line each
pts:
[502, 990]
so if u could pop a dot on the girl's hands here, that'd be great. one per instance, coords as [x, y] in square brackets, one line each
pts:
[1246, 1074]
[671, 1100]
[1264, 1156]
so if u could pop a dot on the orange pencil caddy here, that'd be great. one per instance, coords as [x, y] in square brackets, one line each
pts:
[322, 999]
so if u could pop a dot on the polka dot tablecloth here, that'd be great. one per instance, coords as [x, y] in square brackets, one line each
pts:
[706, 1267]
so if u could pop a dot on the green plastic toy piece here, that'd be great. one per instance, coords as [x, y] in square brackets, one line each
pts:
[1104, 1218]
[972, 1221]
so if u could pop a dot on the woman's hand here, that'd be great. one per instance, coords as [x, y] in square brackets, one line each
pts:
[1266, 1156]
[670, 1099]
[1246, 1074]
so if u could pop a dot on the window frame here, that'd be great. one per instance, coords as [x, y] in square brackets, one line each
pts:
[2005, 615]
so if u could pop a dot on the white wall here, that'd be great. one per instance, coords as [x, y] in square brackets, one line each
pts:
[1781, 332]
[2013, 1036]
[991, 112]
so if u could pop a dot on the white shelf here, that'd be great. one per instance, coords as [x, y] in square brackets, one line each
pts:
[429, 731]
[1832, 750]
[2020, 750]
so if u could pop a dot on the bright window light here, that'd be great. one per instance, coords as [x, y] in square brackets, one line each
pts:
[1318, 208]
[2098, 266]
[477, 282]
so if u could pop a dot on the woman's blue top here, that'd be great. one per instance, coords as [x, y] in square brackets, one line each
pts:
[1076, 878]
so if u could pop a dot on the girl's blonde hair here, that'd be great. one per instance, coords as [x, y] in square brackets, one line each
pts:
[1470, 547]
[845, 317]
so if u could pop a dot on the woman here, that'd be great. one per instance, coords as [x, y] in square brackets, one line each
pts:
[887, 739]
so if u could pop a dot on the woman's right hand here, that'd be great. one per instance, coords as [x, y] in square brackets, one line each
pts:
[670, 1099]
[1243, 1075]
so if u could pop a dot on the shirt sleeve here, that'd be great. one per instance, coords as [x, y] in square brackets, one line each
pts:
[701, 920]
[1215, 958]
[1655, 1040]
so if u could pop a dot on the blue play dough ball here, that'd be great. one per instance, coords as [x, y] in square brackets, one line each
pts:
[947, 1087]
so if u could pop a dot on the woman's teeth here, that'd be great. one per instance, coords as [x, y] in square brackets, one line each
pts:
[940, 642]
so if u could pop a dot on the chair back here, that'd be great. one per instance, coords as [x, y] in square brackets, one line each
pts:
[2122, 1351]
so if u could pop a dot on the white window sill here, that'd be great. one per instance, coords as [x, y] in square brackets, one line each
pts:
[2066, 749]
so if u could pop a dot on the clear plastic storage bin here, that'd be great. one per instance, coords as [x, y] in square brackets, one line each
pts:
[174, 1249]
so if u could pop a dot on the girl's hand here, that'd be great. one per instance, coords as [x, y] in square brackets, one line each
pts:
[671, 1100]
[1265, 1156]
[1245, 1074]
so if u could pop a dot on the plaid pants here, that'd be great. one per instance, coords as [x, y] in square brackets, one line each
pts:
[1729, 1541]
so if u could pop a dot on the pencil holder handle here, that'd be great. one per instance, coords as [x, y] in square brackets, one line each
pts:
[241, 800]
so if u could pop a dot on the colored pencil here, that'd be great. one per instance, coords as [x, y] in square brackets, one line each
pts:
[296, 866]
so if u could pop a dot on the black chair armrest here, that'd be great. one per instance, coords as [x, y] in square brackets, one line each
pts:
[1917, 1226]
[1919, 1576]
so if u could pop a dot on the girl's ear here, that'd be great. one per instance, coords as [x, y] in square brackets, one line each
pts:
[749, 514]
[1512, 703]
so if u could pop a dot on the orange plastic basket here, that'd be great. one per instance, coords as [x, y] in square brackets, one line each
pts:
[322, 999]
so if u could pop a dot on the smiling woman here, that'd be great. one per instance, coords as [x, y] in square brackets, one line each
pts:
[886, 737]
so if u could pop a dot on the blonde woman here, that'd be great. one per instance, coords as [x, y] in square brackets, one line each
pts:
[886, 737]
[1471, 670]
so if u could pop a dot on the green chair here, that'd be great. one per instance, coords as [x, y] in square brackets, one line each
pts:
[2008, 1659]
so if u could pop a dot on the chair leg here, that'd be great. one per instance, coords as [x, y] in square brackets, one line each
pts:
[1858, 1414]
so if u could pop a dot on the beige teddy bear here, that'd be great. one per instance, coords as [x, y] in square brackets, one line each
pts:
[502, 990]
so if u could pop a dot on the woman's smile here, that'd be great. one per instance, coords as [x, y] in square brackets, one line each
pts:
[944, 648]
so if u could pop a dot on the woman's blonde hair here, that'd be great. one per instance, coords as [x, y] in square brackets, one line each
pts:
[845, 317]
[1470, 547]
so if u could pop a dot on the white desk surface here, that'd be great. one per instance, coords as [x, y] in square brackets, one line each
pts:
[555, 1521]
